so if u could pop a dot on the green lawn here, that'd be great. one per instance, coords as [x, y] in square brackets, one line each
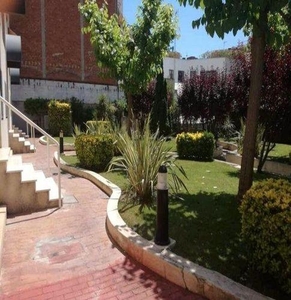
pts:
[280, 153]
[67, 139]
[205, 223]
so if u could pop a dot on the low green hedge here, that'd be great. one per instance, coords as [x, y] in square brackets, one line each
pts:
[199, 145]
[94, 151]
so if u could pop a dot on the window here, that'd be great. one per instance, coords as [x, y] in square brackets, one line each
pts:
[180, 76]
[211, 73]
[171, 74]
[192, 74]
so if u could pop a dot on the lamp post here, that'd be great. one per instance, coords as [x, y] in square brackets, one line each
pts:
[162, 221]
[61, 141]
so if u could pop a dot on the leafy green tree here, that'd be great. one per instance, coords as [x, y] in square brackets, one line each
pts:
[131, 54]
[224, 52]
[268, 22]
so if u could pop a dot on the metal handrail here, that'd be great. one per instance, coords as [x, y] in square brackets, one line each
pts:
[48, 137]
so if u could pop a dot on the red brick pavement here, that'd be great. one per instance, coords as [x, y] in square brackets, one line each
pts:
[66, 253]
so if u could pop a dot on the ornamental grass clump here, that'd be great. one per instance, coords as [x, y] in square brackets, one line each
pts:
[142, 154]
[266, 228]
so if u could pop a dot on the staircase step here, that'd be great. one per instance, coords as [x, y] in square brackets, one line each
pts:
[46, 184]
[5, 153]
[28, 173]
[14, 164]
[54, 191]
[15, 135]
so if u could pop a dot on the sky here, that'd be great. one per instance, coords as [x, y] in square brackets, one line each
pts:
[192, 42]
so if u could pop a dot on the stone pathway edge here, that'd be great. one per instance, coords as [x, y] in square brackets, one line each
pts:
[161, 260]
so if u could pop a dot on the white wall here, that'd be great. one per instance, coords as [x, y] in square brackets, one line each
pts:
[197, 65]
[5, 82]
[89, 93]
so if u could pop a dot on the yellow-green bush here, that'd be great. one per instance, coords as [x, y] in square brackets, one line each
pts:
[59, 114]
[266, 228]
[199, 145]
[94, 151]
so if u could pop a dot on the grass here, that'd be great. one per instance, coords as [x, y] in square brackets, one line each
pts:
[280, 153]
[67, 139]
[205, 223]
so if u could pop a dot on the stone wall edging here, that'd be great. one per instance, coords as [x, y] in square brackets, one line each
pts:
[161, 260]
[3, 217]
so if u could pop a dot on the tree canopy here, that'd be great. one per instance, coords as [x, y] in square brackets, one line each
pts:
[268, 22]
[131, 54]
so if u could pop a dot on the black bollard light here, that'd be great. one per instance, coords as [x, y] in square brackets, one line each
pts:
[61, 141]
[162, 222]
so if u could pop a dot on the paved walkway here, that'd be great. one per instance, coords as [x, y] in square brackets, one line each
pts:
[66, 253]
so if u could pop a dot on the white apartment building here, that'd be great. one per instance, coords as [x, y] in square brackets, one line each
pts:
[178, 69]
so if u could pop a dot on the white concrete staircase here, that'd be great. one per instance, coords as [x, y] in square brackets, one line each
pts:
[18, 141]
[23, 189]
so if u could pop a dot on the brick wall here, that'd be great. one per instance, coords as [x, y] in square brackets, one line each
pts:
[53, 47]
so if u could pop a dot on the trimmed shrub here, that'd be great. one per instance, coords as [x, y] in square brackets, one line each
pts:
[94, 151]
[36, 106]
[199, 145]
[59, 114]
[266, 228]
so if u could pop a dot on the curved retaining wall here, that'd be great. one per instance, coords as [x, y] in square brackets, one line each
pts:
[161, 260]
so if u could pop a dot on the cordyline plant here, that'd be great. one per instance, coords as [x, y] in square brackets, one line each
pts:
[142, 154]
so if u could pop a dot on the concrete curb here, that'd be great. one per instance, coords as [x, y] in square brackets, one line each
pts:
[3, 217]
[67, 147]
[161, 260]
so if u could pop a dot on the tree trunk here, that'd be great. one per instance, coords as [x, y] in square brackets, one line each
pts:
[266, 149]
[130, 113]
[247, 164]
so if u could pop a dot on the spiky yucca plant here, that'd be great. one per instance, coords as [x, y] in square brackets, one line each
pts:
[142, 154]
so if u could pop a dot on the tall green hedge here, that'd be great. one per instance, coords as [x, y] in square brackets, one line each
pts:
[59, 114]
[36, 106]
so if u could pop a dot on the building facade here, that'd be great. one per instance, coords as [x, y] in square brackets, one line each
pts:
[10, 59]
[58, 59]
[177, 69]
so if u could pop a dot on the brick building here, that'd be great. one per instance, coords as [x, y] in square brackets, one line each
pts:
[57, 59]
